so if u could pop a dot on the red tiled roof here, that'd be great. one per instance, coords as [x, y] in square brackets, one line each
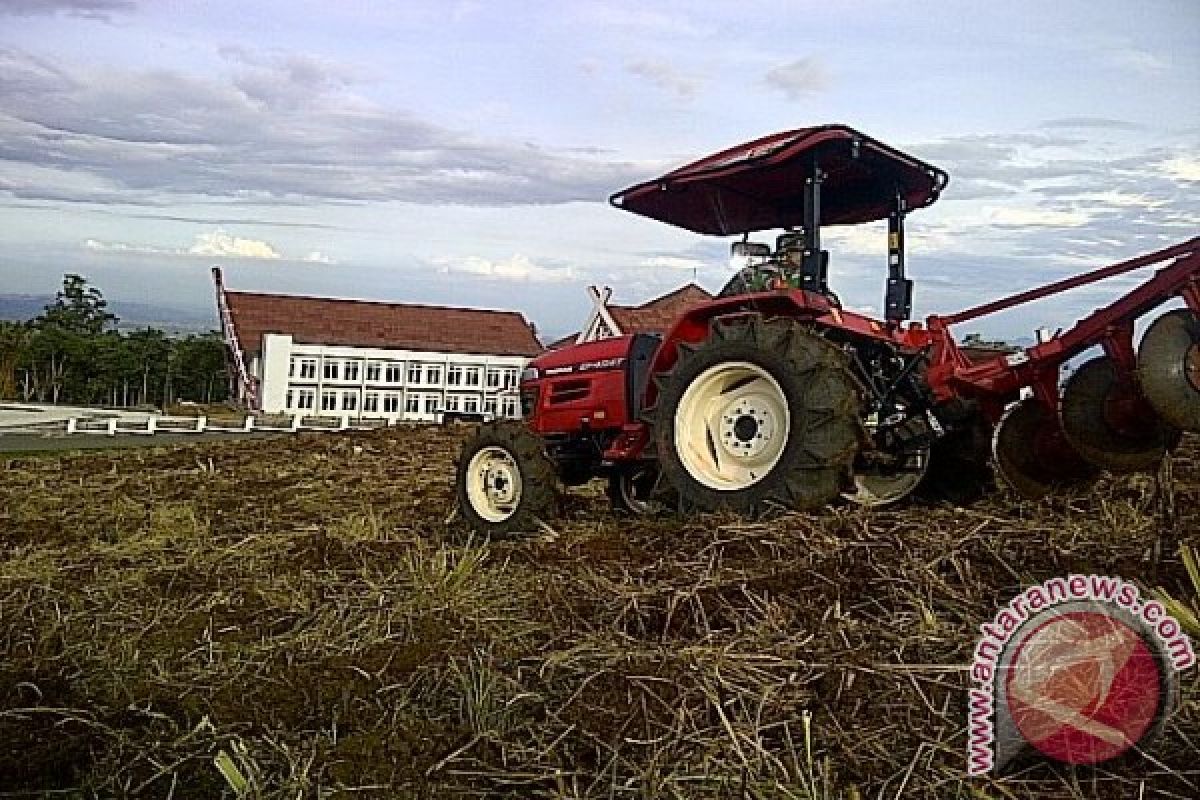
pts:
[359, 323]
[658, 314]
[655, 316]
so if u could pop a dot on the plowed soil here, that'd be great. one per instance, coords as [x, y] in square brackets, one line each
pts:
[297, 617]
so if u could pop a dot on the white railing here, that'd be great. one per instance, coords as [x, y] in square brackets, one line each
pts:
[112, 426]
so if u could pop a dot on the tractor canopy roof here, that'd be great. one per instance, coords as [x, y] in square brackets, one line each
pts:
[759, 185]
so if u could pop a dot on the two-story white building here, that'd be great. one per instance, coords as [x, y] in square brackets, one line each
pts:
[317, 356]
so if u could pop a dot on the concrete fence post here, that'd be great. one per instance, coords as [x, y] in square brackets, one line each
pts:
[151, 425]
[201, 424]
[111, 430]
[296, 422]
[249, 424]
[72, 425]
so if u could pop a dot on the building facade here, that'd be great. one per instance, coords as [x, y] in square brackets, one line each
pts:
[313, 356]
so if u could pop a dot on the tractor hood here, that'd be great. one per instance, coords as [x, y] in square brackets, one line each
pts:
[759, 185]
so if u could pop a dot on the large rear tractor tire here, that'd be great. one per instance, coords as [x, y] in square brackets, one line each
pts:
[505, 482]
[761, 413]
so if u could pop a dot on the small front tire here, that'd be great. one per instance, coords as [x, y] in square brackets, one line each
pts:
[505, 483]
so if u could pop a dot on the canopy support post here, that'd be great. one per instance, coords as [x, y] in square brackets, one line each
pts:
[813, 265]
[897, 300]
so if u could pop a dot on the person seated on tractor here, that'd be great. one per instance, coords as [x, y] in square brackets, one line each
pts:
[765, 271]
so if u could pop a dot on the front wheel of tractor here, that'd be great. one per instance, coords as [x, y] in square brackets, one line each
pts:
[505, 483]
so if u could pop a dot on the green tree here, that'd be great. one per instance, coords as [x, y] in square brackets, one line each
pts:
[147, 352]
[198, 368]
[78, 308]
[72, 352]
[60, 353]
[14, 347]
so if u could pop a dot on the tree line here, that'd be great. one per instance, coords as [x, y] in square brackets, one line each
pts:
[72, 353]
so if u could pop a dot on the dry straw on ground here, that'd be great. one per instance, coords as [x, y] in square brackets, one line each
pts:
[294, 618]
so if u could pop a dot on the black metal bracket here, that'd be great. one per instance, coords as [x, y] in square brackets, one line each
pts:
[897, 300]
[813, 266]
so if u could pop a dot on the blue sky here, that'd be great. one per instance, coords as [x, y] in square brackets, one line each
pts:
[462, 152]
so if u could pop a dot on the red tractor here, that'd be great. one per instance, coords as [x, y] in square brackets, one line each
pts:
[773, 395]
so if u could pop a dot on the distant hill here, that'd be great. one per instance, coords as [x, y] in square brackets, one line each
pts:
[132, 315]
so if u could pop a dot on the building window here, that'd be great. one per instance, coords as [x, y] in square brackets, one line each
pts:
[351, 373]
[431, 404]
[414, 373]
[329, 401]
[306, 399]
[472, 374]
[510, 378]
[370, 401]
[454, 376]
[288, 399]
[412, 403]
[291, 367]
[452, 402]
[433, 375]
[308, 369]
[509, 407]
[349, 401]
[489, 405]
[494, 377]
[374, 370]
[393, 372]
[331, 370]
[391, 403]
[471, 405]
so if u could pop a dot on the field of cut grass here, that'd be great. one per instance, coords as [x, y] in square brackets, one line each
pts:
[295, 617]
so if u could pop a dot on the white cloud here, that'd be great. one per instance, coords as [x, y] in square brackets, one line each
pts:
[518, 267]
[798, 79]
[1036, 217]
[123, 247]
[859, 240]
[1184, 168]
[665, 77]
[225, 245]
[1139, 61]
[674, 262]
[280, 129]
[214, 244]
[317, 257]
[95, 9]
[1115, 199]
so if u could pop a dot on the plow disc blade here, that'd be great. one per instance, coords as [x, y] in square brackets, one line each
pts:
[1169, 368]
[1108, 422]
[1032, 453]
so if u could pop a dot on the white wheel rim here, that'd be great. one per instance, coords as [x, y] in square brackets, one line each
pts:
[875, 488]
[494, 484]
[731, 426]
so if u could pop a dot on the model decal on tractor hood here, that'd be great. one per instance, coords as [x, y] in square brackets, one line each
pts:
[586, 366]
